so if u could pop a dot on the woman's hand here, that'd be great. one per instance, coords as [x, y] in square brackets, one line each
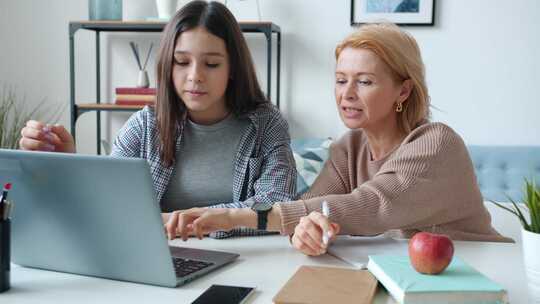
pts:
[37, 136]
[198, 222]
[308, 234]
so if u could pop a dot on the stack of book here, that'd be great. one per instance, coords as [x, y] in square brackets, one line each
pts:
[135, 96]
[458, 284]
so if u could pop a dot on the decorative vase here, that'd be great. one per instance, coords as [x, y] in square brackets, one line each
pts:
[105, 9]
[531, 248]
[142, 81]
[166, 8]
[137, 10]
[244, 10]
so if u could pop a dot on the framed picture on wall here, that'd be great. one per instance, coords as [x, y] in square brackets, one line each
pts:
[402, 12]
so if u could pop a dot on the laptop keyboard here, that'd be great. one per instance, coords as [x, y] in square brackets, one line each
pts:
[184, 267]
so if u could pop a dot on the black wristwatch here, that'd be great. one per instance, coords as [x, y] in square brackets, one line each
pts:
[262, 210]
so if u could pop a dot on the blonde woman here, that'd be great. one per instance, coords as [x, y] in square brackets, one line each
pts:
[393, 172]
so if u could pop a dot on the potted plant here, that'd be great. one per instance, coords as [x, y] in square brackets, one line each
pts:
[14, 115]
[530, 235]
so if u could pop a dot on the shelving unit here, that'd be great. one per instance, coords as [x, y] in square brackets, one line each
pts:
[77, 109]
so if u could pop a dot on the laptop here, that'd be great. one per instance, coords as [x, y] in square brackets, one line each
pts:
[95, 216]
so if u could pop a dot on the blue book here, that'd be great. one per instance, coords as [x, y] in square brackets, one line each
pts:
[459, 283]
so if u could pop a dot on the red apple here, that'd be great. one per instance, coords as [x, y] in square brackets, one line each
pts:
[430, 253]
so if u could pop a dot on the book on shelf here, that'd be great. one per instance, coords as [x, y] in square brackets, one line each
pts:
[314, 284]
[135, 91]
[136, 97]
[134, 102]
[459, 283]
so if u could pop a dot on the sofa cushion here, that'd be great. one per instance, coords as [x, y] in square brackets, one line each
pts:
[309, 155]
[501, 170]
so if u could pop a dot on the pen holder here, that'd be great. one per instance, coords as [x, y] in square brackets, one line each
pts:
[5, 240]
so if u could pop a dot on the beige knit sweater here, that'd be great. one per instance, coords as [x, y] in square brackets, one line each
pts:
[426, 184]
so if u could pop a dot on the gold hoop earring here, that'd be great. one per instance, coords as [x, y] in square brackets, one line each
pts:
[399, 107]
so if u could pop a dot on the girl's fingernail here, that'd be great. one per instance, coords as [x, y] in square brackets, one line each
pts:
[46, 129]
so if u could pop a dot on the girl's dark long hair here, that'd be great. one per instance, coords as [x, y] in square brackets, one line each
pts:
[243, 93]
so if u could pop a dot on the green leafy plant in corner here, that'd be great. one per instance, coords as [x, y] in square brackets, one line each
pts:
[532, 202]
[14, 115]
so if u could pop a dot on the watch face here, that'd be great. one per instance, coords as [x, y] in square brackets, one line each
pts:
[260, 206]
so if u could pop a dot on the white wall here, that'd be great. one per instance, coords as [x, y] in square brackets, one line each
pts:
[482, 63]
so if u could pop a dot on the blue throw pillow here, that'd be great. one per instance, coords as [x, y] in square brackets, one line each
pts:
[309, 155]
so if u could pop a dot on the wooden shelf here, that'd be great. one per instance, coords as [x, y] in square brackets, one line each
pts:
[84, 107]
[157, 26]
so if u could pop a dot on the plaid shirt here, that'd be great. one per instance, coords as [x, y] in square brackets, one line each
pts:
[264, 169]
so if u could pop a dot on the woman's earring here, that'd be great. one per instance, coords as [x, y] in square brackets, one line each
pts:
[399, 107]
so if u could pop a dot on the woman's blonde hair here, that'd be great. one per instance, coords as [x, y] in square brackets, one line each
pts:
[399, 50]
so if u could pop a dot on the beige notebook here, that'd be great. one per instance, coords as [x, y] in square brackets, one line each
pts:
[313, 284]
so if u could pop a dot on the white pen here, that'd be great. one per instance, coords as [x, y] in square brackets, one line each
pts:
[325, 212]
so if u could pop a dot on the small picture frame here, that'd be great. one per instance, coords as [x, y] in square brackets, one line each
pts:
[401, 12]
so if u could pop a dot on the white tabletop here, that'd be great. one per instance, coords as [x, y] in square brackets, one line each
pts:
[265, 262]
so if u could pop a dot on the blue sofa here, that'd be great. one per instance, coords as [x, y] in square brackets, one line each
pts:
[500, 170]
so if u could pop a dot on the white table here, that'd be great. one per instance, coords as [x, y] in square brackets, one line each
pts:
[265, 262]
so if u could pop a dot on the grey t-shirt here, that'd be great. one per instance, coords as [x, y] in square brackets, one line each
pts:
[203, 171]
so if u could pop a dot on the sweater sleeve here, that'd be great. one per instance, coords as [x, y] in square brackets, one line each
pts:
[429, 181]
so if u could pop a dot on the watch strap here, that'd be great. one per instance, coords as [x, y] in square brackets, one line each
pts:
[262, 219]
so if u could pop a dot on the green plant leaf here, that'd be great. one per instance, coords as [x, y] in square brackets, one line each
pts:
[505, 208]
[14, 113]
[532, 200]
[522, 218]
